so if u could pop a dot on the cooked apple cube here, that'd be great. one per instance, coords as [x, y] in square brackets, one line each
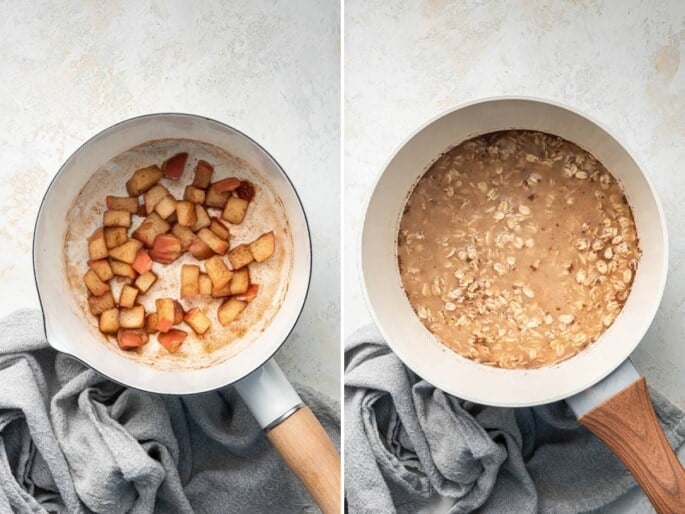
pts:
[150, 228]
[142, 180]
[127, 297]
[217, 244]
[116, 219]
[97, 248]
[190, 280]
[200, 250]
[166, 249]
[245, 190]
[99, 304]
[235, 210]
[126, 252]
[151, 323]
[143, 262]
[122, 203]
[227, 184]
[248, 295]
[219, 229]
[204, 284]
[115, 236]
[153, 197]
[173, 166]
[185, 212]
[109, 321]
[197, 320]
[240, 281]
[131, 339]
[203, 220]
[184, 234]
[221, 292]
[203, 174]
[122, 269]
[240, 256]
[263, 247]
[166, 206]
[165, 314]
[215, 199]
[218, 272]
[230, 310]
[102, 268]
[172, 339]
[145, 281]
[96, 286]
[133, 317]
[194, 194]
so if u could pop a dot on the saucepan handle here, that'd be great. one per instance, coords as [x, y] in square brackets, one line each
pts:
[628, 425]
[295, 432]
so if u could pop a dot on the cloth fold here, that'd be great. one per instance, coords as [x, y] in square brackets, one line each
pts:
[408, 443]
[72, 441]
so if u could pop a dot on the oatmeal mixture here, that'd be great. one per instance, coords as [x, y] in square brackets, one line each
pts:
[517, 249]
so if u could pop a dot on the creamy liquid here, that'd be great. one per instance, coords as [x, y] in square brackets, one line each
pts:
[517, 249]
[265, 213]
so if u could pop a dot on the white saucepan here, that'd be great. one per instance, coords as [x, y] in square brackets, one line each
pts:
[600, 383]
[290, 425]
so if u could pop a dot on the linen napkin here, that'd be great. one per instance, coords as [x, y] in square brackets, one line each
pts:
[407, 443]
[72, 441]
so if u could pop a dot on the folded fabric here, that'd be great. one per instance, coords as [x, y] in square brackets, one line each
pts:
[72, 441]
[407, 443]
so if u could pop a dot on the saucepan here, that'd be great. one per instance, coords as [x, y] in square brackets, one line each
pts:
[290, 425]
[600, 383]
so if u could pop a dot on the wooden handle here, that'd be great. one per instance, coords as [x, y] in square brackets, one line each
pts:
[628, 425]
[309, 452]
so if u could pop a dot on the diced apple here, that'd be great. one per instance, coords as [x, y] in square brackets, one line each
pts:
[151, 323]
[226, 185]
[165, 314]
[245, 190]
[217, 244]
[131, 339]
[122, 203]
[197, 320]
[173, 167]
[186, 214]
[99, 304]
[221, 292]
[190, 280]
[230, 310]
[116, 219]
[218, 272]
[142, 263]
[145, 281]
[172, 339]
[122, 269]
[126, 252]
[142, 180]
[219, 229]
[205, 285]
[194, 194]
[263, 247]
[240, 256]
[115, 236]
[109, 321]
[203, 220]
[102, 268]
[96, 286]
[150, 228]
[203, 174]
[153, 197]
[97, 248]
[127, 298]
[240, 281]
[184, 234]
[215, 199]
[248, 295]
[235, 210]
[166, 206]
[200, 250]
[133, 317]
[166, 249]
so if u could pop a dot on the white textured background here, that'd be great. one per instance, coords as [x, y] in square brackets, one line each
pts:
[618, 61]
[270, 69]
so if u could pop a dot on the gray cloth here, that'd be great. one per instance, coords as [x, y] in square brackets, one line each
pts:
[71, 441]
[407, 442]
